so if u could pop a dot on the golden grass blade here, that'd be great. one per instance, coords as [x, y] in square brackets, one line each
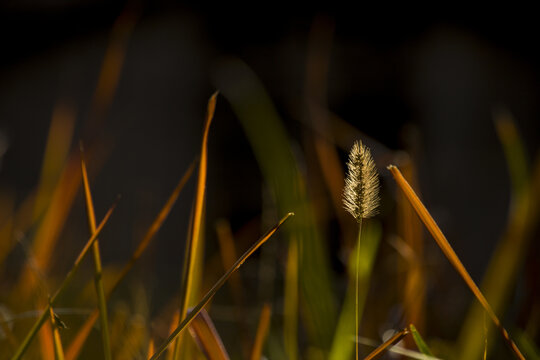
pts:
[76, 345]
[410, 230]
[46, 342]
[228, 256]
[198, 208]
[56, 152]
[387, 344]
[262, 332]
[446, 248]
[175, 321]
[150, 349]
[207, 338]
[67, 280]
[210, 294]
[290, 313]
[58, 349]
[102, 302]
[111, 67]
[195, 232]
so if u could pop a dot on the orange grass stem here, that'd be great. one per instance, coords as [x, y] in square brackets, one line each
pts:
[450, 254]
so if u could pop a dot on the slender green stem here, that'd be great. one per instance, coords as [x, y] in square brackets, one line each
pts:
[45, 314]
[357, 287]
[197, 309]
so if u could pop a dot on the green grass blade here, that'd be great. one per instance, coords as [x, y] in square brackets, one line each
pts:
[531, 350]
[210, 294]
[420, 343]
[500, 276]
[343, 342]
[271, 146]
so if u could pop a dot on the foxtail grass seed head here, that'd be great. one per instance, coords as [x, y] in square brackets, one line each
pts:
[361, 192]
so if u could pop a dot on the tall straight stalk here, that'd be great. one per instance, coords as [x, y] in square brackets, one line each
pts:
[361, 200]
[357, 289]
[102, 299]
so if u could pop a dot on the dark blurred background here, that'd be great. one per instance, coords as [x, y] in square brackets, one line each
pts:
[427, 83]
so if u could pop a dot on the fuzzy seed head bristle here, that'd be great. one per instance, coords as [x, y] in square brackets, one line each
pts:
[361, 192]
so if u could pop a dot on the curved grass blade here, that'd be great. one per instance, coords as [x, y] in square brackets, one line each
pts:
[420, 343]
[270, 143]
[450, 254]
[210, 294]
[102, 302]
[67, 280]
[76, 345]
[375, 354]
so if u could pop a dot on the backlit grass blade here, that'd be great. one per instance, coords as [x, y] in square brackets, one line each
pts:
[111, 67]
[174, 322]
[52, 223]
[411, 231]
[67, 280]
[197, 309]
[262, 332]
[446, 248]
[150, 349]
[192, 241]
[207, 338]
[275, 156]
[375, 354]
[55, 155]
[503, 269]
[227, 251]
[102, 302]
[343, 346]
[420, 343]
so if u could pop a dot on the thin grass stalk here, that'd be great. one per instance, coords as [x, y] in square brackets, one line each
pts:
[58, 349]
[67, 280]
[357, 288]
[210, 294]
[387, 344]
[79, 340]
[192, 243]
[100, 292]
[450, 254]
